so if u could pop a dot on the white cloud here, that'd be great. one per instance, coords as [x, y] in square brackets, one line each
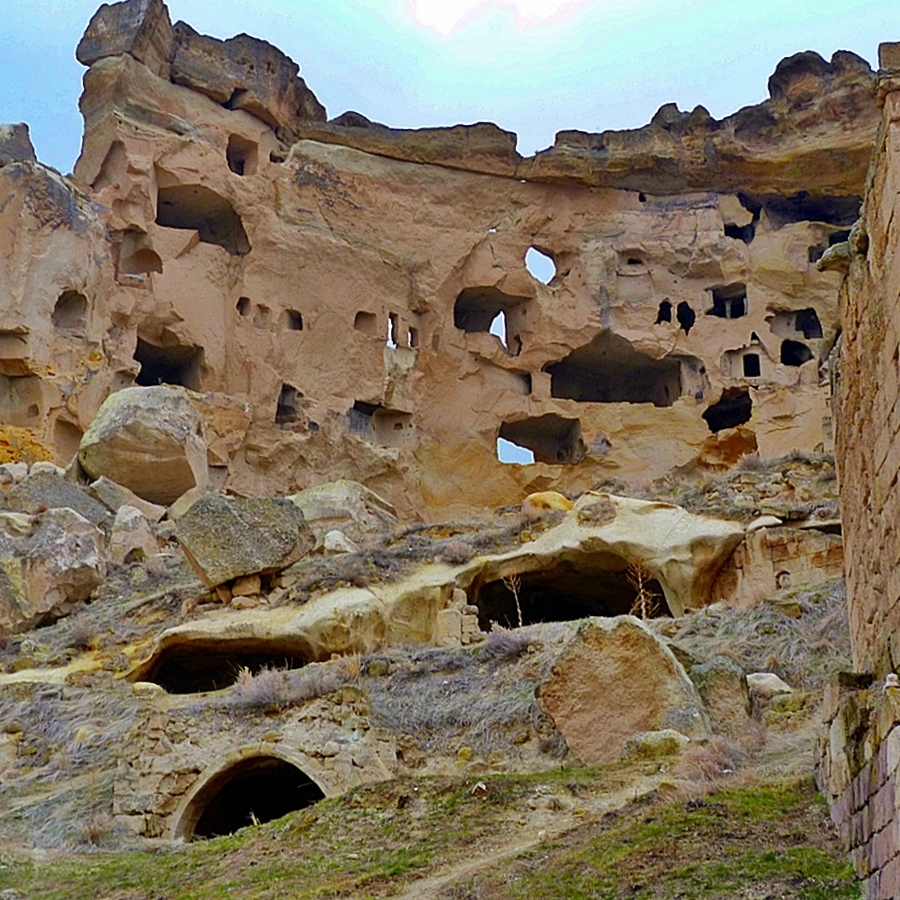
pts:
[445, 16]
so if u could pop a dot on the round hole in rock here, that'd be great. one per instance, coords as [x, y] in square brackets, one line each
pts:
[197, 669]
[595, 586]
[540, 265]
[254, 790]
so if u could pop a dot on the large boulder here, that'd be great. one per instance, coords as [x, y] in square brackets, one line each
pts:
[346, 506]
[228, 537]
[152, 440]
[46, 490]
[49, 563]
[613, 680]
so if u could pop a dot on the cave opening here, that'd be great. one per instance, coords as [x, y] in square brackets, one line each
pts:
[734, 408]
[665, 312]
[597, 585]
[610, 370]
[685, 316]
[490, 310]
[291, 320]
[254, 790]
[807, 321]
[751, 365]
[198, 669]
[242, 155]
[795, 353]
[70, 312]
[540, 264]
[803, 207]
[197, 208]
[168, 365]
[729, 302]
[366, 322]
[380, 425]
[551, 438]
[287, 412]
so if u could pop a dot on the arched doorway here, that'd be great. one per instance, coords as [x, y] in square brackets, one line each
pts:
[251, 789]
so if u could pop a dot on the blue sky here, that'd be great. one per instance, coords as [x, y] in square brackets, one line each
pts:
[533, 66]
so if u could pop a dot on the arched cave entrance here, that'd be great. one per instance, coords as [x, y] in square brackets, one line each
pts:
[253, 790]
[572, 589]
[203, 667]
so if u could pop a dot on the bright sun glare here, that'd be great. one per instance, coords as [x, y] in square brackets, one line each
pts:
[445, 16]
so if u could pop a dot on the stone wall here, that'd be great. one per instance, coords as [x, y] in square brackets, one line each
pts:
[859, 750]
[859, 773]
[867, 402]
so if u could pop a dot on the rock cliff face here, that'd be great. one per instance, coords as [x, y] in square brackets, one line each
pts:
[363, 292]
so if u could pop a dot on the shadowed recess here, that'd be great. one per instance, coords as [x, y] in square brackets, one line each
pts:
[197, 669]
[254, 790]
[598, 586]
[168, 365]
[199, 209]
[735, 408]
[610, 370]
[551, 438]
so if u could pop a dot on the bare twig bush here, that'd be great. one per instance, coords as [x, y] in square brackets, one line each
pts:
[512, 583]
[646, 602]
[750, 462]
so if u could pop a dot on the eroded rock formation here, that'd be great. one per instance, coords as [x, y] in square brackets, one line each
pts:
[334, 278]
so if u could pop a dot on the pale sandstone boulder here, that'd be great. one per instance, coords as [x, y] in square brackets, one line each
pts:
[767, 684]
[113, 496]
[614, 680]
[48, 564]
[336, 542]
[347, 506]
[152, 440]
[227, 537]
[132, 536]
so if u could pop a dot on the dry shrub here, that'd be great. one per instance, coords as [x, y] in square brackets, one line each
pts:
[266, 689]
[504, 644]
[750, 462]
[716, 759]
[95, 830]
[81, 632]
[456, 553]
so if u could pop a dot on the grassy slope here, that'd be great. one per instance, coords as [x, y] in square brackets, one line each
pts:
[751, 842]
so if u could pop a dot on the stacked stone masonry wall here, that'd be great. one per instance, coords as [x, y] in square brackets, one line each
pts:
[867, 400]
[859, 773]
